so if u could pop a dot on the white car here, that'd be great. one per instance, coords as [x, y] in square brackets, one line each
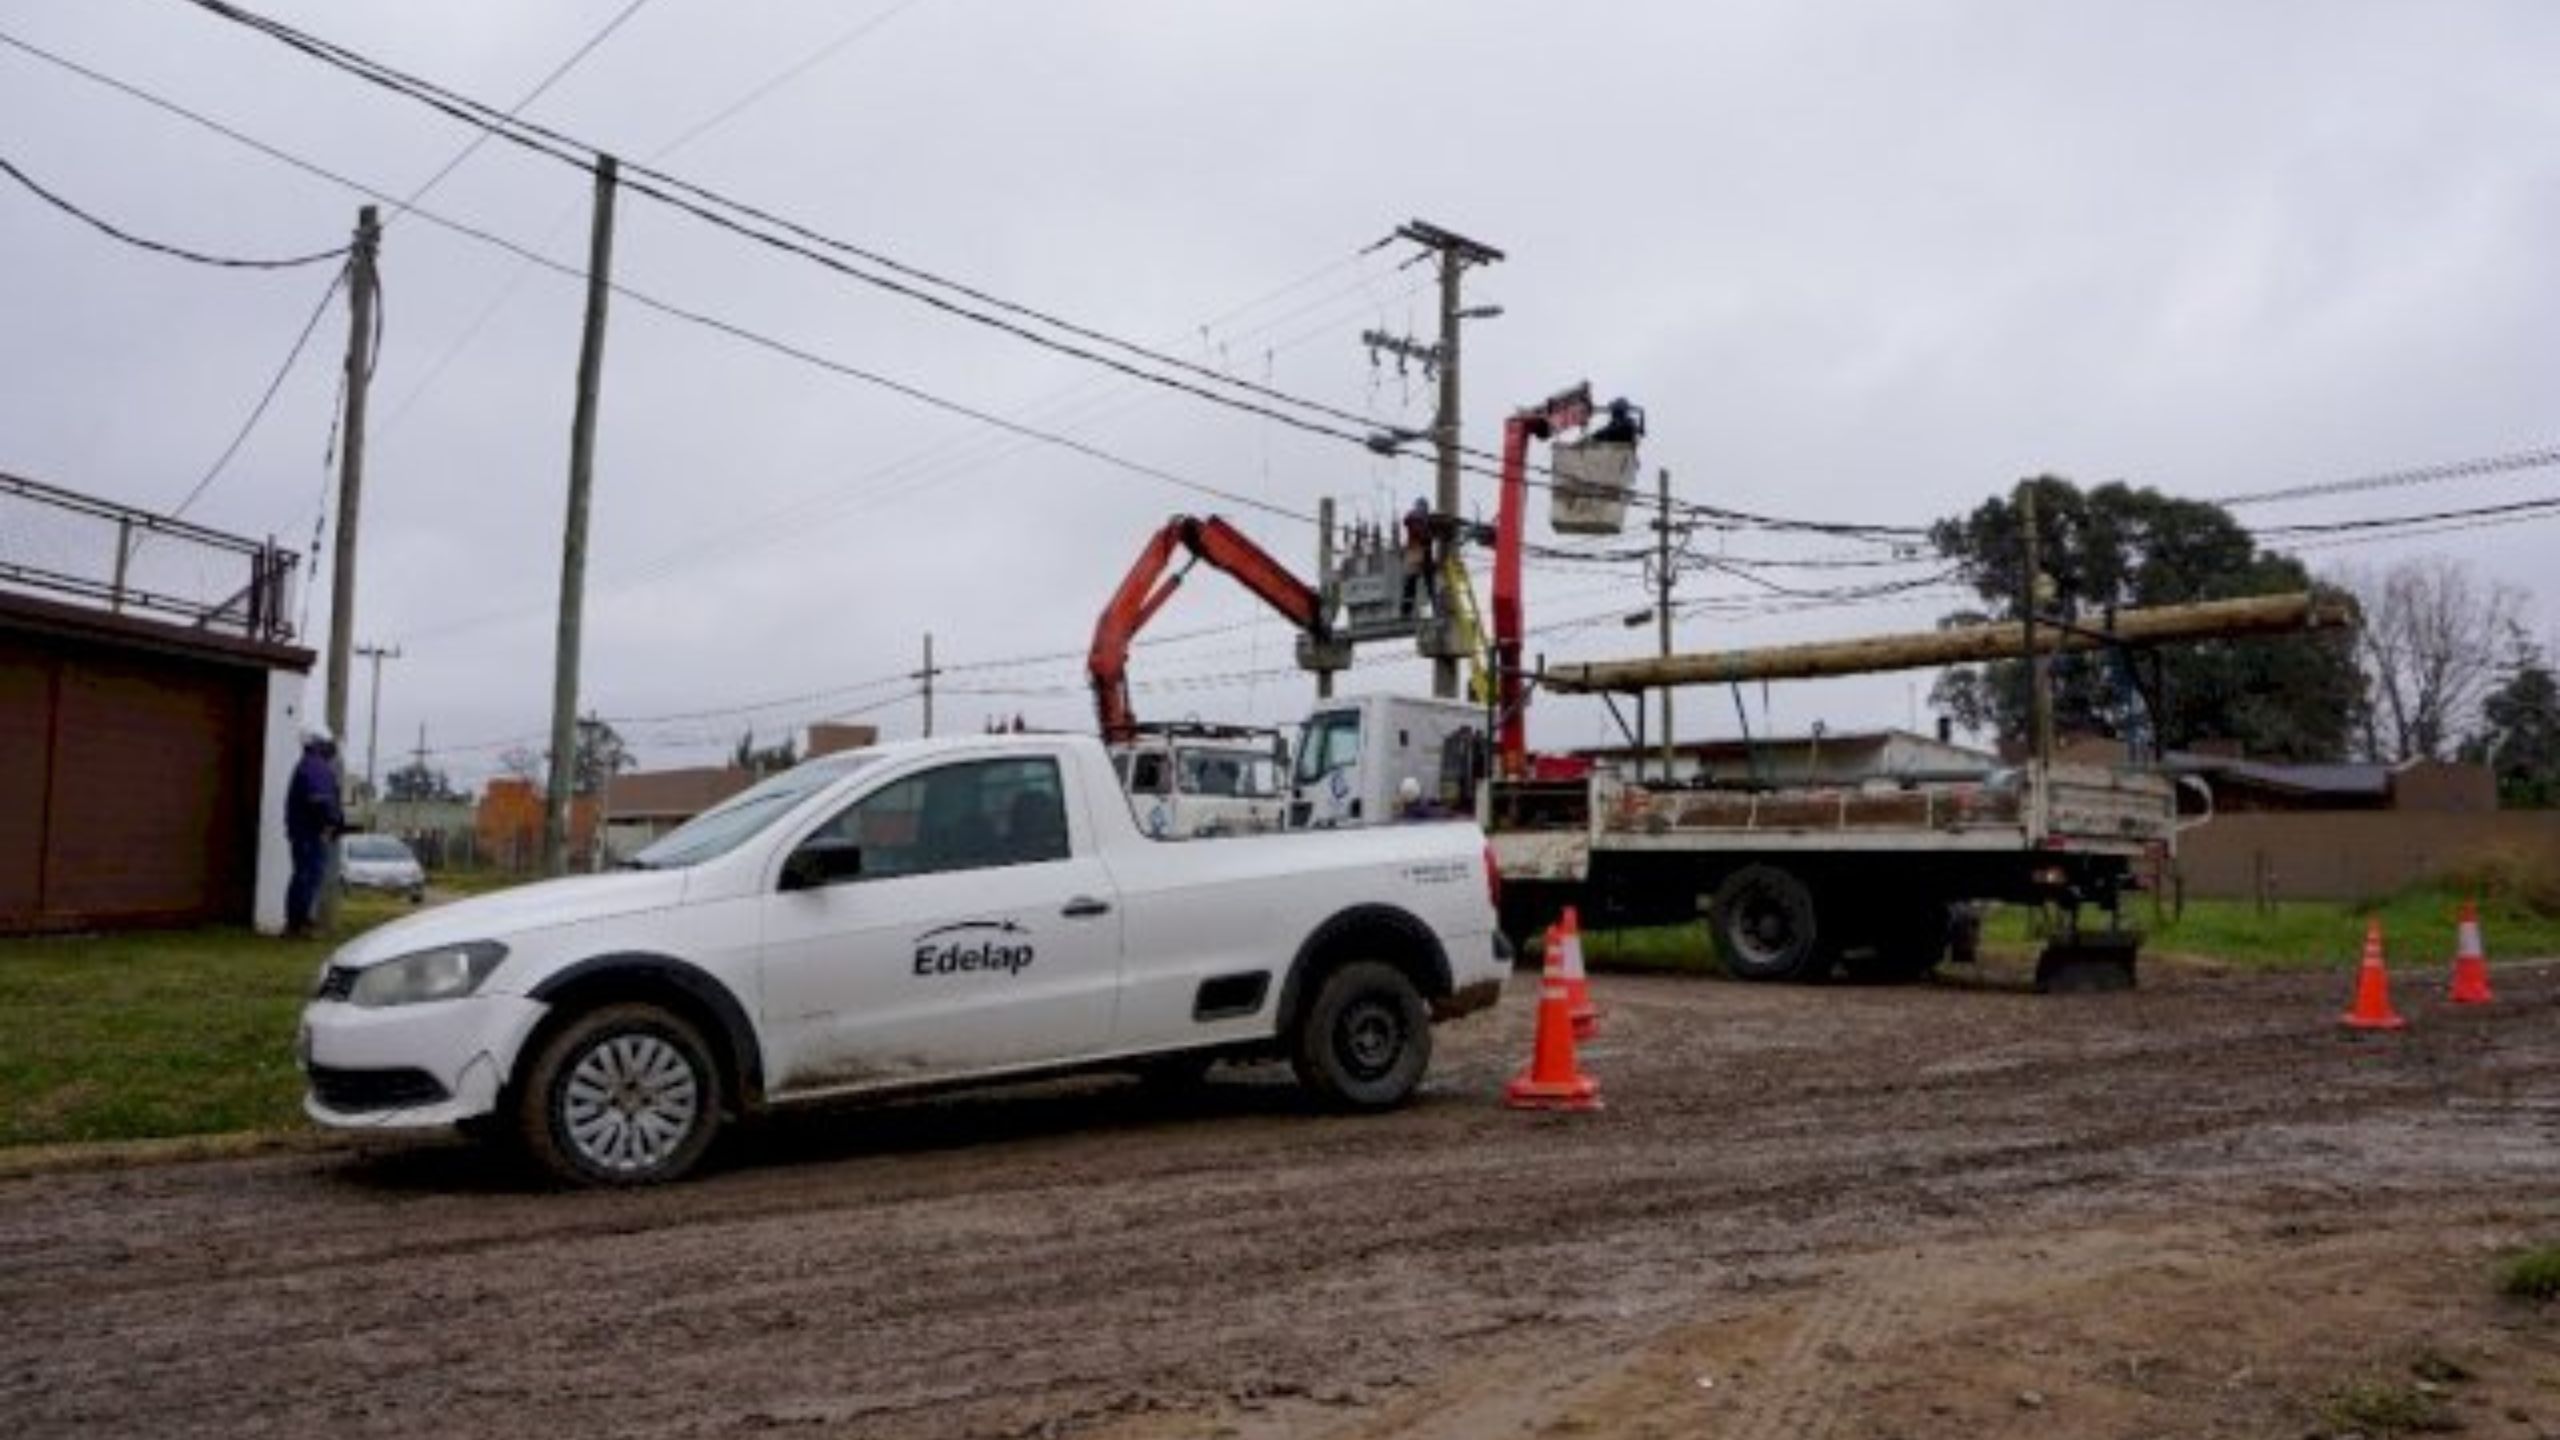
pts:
[381, 862]
[912, 915]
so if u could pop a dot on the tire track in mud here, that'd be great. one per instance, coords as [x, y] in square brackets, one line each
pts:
[1087, 1257]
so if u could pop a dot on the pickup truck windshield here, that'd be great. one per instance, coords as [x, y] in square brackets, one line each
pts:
[726, 826]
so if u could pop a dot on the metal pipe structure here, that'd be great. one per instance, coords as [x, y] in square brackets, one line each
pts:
[2205, 620]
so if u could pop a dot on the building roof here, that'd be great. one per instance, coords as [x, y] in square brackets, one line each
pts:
[674, 794]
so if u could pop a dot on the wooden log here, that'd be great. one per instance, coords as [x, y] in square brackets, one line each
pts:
[2163, 624]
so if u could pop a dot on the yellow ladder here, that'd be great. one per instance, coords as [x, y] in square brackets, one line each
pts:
[1458, 592]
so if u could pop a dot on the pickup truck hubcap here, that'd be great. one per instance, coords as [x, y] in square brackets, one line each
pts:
[1371, 1037]
[630, 1102]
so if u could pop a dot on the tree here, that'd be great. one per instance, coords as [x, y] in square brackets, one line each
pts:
[418, 781]
[2519, 737]
[2118, 547]
[601, 756]
[2431, 645]
[770, 760]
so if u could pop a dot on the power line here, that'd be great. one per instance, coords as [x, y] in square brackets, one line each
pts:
[275, 383]
[650, 302]
[2518, 461]
[557, 72]
[2385, 522]
[162, 247]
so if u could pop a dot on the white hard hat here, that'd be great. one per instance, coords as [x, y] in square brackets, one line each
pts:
[1409, 790]
[317, 735]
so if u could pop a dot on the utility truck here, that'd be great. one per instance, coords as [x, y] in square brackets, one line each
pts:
[907, 916]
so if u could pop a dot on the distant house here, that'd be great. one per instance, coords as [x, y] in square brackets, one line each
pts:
[1845, 759]
[645, 804]
[2245, 786]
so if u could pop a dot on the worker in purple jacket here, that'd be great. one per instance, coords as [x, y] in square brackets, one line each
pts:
[312, 820]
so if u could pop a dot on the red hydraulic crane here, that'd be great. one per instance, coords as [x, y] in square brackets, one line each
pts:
[1564, 410]
[1142, 593]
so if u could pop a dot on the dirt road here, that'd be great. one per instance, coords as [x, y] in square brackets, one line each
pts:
[1954, 1210]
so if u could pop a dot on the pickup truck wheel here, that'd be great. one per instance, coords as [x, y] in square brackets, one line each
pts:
[1365, 1039]
[622, 1095]
[1762, 919]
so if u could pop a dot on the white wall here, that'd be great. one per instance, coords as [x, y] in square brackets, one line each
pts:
[282, 749]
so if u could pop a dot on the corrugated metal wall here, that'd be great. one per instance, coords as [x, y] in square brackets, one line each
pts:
[128, 785]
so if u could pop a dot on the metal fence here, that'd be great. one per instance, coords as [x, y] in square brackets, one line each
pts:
[61, 544]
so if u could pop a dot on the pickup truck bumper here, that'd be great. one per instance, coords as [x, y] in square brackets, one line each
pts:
[1467, 1000]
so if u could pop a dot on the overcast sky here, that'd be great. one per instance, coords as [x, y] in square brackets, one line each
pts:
[1861, 262]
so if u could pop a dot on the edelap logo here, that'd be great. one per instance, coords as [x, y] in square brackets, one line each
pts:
[975, 946]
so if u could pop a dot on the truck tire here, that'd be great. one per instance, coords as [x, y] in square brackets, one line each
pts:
[1765, 928]
[1364, 1041]
[622, 1095]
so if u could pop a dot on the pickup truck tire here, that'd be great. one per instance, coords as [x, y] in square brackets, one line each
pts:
[1365, 1039]
[625, 1094]
[1764, 925]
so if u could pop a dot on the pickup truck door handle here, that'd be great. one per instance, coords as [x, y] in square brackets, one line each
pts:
[1084, 907]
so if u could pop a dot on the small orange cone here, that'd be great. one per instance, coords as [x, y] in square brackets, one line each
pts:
[1577, 981]
[2372, 1010]
[2470, 966]
[1553, 1081]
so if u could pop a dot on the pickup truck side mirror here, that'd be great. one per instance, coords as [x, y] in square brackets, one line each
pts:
[821, 860]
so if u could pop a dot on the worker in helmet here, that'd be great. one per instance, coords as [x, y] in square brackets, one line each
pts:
[312, 822]
[1417, 557]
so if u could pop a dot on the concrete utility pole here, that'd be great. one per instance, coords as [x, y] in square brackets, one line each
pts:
[373, 713]
[1456, 252]
[361, 287]
[573, 537]
[2290, 612]
[925, 677]
[1326, 586]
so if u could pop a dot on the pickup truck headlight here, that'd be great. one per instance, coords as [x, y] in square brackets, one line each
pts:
[447, 972]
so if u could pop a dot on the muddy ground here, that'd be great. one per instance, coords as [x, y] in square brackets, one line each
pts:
[1955, 1210]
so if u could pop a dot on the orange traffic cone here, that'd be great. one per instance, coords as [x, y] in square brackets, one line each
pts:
[1577, 981]
[2470, 967]
[1553, 1081]
[2372, 1010]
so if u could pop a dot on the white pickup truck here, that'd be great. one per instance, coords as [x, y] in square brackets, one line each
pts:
[907, 916]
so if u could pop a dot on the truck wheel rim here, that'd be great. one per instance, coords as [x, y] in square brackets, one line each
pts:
[1370, 1037]
[630, 1103]
[1763, 933]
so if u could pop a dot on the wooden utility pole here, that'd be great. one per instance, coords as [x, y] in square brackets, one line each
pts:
[573, 536]
[2039, 672]
[2287, 613]
[1456, 252]
[925, 678]
[373, 713]
[1662, 604]
[361, 284]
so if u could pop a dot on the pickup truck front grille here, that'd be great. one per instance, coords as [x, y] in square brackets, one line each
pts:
[364, 1090]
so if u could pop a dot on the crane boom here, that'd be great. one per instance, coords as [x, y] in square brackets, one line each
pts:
[1146, 588]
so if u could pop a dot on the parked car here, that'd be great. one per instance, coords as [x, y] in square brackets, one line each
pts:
[381, 862]
[902, 917]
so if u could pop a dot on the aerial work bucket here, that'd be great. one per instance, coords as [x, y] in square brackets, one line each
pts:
[1593, 480]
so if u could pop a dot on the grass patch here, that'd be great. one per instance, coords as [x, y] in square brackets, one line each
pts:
[156, 1033]
[2534, 1275]
[2417, 929]
[2385, 1407]
[1662, 949]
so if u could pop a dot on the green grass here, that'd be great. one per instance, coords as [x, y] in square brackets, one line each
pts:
[156, 1033]
[2534, 1275]
[2417, 929]
[2384, 1407]
[2417, 926]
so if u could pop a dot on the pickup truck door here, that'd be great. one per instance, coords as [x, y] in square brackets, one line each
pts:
[981, 932]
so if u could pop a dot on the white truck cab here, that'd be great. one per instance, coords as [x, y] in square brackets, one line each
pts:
[908, 916]
[1187, 779]
[1356, 754]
